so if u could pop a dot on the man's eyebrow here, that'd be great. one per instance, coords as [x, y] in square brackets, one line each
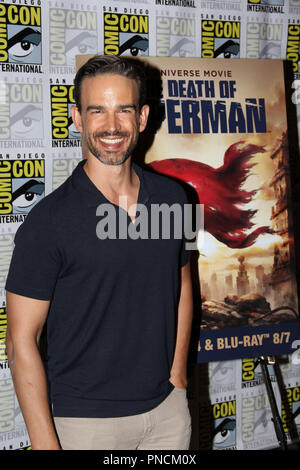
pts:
[124, 106]
[94, 107]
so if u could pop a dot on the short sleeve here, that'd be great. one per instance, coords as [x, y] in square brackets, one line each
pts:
[185, 255]
[36, 261]
[186, 228]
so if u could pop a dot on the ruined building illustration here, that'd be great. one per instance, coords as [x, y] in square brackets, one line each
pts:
[282, 281]
[242, 281]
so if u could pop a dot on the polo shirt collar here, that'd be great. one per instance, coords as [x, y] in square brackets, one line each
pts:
[95, 197]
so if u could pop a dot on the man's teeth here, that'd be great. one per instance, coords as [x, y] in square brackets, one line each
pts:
[112, 141]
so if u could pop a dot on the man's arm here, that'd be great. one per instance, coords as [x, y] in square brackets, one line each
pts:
[178, 375]
[25, 321]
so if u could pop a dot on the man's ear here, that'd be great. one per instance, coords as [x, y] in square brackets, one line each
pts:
[76, 116]
[144, 113]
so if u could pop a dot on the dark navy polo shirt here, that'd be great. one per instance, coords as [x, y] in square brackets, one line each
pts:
[112, 319]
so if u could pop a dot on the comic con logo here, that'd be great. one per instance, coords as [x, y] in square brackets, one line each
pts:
[252, 375]
[293, 46]
[257, 421]
[62, 168]
[217, 426]
[6, 249]
[266, 2]
[266, 6]
[220, 39]
[264, 40]
[175, 37]
[62, 99]
[126, 34]
[290, 412]
[7, 409]
[72, 32]
[22, 185]
[224, 414]
[20, 34]
[21, 112]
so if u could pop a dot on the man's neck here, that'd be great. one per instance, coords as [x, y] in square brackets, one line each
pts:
[114, 181]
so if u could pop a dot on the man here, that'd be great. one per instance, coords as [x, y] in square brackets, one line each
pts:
[117, 352]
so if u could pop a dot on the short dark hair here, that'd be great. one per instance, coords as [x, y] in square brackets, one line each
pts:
[101, 64]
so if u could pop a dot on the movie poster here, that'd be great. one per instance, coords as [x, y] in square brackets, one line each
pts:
[208, 106]
[223, 135]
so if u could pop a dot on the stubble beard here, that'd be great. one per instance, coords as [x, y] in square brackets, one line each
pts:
[110, 158]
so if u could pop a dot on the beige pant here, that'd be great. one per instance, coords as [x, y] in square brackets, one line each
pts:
[166, 427]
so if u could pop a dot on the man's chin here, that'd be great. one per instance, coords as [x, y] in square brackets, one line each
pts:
[111, 160]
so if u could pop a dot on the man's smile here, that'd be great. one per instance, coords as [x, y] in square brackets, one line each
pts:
[111, 140]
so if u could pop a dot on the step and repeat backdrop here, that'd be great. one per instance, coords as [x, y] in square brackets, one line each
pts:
[231, 94]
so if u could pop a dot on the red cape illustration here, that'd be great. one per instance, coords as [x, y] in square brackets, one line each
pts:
[220, 190]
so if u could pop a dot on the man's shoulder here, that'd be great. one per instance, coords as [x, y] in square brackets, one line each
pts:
[52, 202]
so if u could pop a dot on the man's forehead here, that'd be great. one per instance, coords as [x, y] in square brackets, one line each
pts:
[109, 83]
[109, 77]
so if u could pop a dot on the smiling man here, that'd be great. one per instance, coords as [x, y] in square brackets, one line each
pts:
[110, 129]
[118, 310]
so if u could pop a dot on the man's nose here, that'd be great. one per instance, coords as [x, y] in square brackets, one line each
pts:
[113, 122]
